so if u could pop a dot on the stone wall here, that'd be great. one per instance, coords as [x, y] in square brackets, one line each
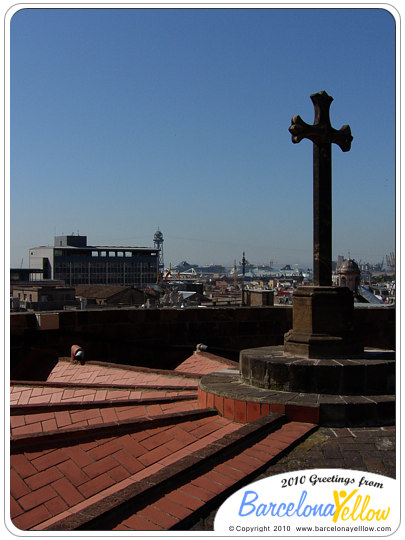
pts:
[165, 337]
[376, 325]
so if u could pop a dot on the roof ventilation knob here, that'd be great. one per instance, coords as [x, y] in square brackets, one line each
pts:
[76, 354]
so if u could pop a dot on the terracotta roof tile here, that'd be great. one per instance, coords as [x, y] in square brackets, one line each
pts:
[78, 449]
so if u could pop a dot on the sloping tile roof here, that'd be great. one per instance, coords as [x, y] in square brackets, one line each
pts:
[204, 362]
[109, 447]
[99, 291]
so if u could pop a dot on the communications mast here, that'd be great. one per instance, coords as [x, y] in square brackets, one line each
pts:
[158, 244]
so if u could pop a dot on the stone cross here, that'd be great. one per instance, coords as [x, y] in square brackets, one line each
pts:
[322, 134]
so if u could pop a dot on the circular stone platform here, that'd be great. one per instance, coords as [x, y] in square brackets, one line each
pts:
[343, 392]
[372, 372]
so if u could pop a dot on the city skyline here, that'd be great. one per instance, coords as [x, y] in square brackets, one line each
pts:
[388, 257]
[124, 121]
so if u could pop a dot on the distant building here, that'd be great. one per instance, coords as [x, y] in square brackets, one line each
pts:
[73, 261]
[184, 266]
[158, 244]
[349, 275]
[339, 261]
[103, 295]
[41, 298]
[258, 297]
[175, 298]
[18, 275]
[286, 280]
[212, 270]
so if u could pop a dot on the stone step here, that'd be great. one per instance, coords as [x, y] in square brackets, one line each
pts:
[234, 398]
[357, 411]
[369, 373]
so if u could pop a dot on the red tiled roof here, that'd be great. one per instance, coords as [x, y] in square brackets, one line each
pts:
[100, 291]
[95, 436]
[204, 362]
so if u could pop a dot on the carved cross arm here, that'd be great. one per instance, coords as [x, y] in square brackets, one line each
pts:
[320, 133]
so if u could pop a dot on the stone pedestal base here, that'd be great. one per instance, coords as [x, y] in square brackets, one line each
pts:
[322, 324]
[372, 372]
[351, 392]
[322, 375]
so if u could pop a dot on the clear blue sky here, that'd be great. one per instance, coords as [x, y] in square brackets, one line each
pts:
[126, 120]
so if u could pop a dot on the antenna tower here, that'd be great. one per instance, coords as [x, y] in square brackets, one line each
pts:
[158, 244]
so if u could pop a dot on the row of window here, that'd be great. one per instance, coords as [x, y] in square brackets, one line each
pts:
[109, 267]
[106, 253]
[46, 298]
[58, 275]
[137, 273]
[82, 279]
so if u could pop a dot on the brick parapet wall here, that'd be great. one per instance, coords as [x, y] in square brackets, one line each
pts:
[164, 337]
[376, 325]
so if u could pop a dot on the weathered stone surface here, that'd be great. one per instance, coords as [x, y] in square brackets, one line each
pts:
[322, 134]
[323, 324]
[371, 372]
[334, 409]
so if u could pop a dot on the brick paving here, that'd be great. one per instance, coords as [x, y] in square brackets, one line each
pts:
[108, 447]
[97, 373]
[73, 472]
[50, 421]
[170, 509]
[90, 428]
[365, 449]
[203, 363]
[30, 394]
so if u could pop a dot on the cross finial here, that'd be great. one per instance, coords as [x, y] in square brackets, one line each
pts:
[321, 131]
[322, 134]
